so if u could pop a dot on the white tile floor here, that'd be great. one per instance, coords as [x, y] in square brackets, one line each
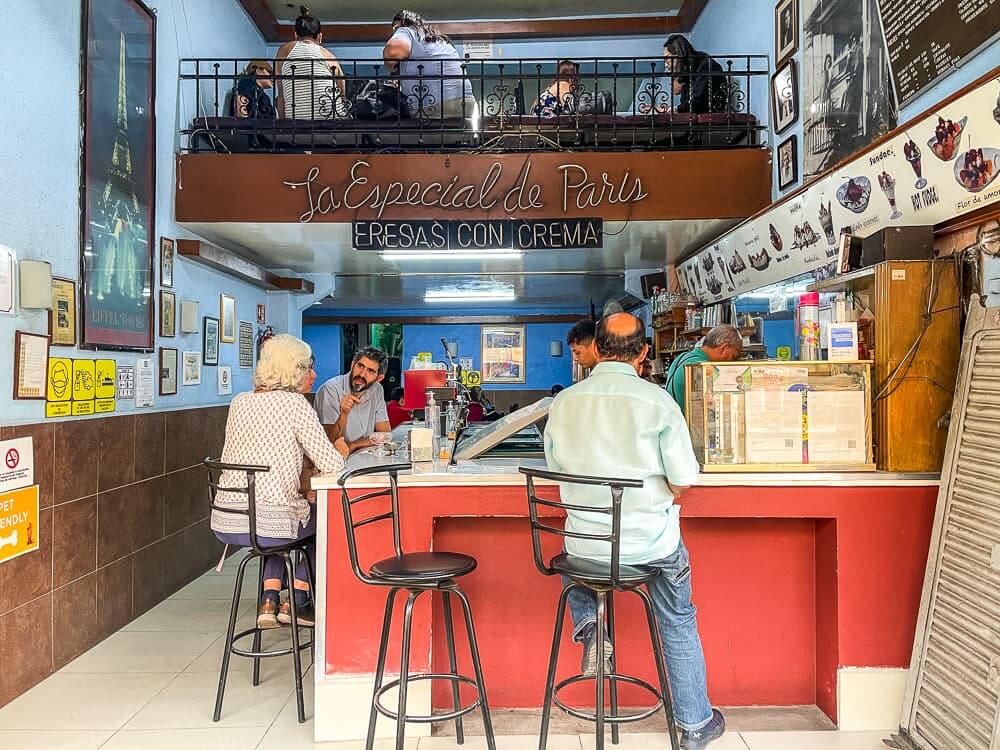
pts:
[151, 686]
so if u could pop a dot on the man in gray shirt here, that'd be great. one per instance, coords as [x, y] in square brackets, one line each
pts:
[352, 405]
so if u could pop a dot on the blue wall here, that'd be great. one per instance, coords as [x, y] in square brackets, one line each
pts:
[326, 342]
[40, 154]
[542, 370]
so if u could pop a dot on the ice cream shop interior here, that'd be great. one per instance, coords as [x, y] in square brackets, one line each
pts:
[504, 374]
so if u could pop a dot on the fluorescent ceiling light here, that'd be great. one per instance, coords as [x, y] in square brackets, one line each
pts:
[448, 254]
[451, 295]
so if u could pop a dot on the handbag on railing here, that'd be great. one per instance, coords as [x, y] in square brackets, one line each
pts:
[379, 102]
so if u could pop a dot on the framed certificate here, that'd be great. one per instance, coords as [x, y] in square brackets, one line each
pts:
[31, 365]
[168, 371]
[227, 316]
[62, 316]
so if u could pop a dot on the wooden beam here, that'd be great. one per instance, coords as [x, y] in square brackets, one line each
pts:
[442, 319]
[562, 28]
[263, 18]
[689, 13]
[240, 268]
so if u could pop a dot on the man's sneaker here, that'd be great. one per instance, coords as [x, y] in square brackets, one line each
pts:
[267, 614]
[306, 615]
[588, 665]
[697, 739]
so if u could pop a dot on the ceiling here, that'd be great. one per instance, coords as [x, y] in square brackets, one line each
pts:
[335, 11]
[552, 279]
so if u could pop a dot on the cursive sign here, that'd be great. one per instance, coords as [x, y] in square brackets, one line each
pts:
[579, 190]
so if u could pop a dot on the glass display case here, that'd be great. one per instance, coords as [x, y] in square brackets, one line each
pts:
[781, 416]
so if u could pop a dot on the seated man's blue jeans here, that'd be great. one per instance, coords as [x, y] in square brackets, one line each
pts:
[675, 614]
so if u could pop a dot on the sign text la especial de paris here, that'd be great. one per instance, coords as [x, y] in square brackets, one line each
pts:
[579, 189]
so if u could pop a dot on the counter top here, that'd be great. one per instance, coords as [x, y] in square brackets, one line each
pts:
[500, 472]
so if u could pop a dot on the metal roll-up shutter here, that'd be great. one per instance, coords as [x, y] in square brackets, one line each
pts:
[954, 683]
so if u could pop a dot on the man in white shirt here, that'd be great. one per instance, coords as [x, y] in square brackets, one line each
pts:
[613, 424]
[352, 405]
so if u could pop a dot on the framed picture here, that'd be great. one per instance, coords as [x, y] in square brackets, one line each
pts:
[210, 341]
[189, 316]
[31, 365]
[191, 368]
[786, 29]
[246, 343]
[788, 162]
[62, 316]
[118, 174]
[227, 314]
[503, 354]
[168, 314]
[261, 314]
[168, 372]
[167, 250]
[784, 97]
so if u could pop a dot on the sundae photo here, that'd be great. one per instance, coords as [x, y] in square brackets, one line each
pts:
[714, 285]
[888, 186]
[946, 137]
[737, 265]
[977, 168]
[761, 261]
[804, 236]
[996, 110]
[707, 262]
[912, 153]
[826, 221]
[775, 237]
[854, 194]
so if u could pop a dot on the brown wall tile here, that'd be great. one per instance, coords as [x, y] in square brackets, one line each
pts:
[114, 596]
[76, 454]
[117, 462]
[149, 445]
[74, 617]
[148, 565]
[115, 525]
[25, 647]
[74, 540]
[185, 438]
[147, 510]
[42, 444]
[29, 576]
[185, 498]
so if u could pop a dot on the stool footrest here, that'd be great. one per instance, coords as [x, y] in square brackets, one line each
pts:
[423, 718]
[263, 654]
[608, 718]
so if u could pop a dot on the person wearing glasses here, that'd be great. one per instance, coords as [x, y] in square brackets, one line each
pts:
[721, 344]
[274, 425]
[429, 70]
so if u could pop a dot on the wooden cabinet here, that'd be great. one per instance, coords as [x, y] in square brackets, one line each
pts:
[917, 337]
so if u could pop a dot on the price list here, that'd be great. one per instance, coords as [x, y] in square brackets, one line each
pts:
[927, 39]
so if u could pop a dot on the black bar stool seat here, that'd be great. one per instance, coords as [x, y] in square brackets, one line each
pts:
[599, 573]
[604, 579]
[293, 550]
[416, 573]
[423, 567]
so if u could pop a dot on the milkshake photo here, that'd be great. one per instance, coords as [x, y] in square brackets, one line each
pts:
[888, 186]
[826, 221]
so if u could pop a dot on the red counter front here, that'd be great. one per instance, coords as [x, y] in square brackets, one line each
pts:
[792, 583]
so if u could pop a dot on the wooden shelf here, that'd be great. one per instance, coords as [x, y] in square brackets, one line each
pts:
[696, 332]
[845, 281]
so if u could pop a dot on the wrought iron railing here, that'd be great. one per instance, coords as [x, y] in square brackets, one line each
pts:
[624, 103]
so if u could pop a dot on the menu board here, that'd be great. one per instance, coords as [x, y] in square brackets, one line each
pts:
[927, 39]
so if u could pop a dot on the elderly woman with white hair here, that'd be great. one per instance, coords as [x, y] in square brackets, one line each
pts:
[274, 425]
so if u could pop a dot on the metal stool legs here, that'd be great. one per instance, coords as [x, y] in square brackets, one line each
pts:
[661, 669]
[550, 678]
[615, 732]
[404, 664]
[230, 635]
[255, 678]
[296, 653]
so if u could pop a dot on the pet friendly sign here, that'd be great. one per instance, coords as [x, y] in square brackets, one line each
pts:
[18, 522]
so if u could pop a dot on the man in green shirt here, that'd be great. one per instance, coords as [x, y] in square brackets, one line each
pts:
[722, 344]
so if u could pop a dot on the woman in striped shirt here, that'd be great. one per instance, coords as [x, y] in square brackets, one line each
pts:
[312, 83]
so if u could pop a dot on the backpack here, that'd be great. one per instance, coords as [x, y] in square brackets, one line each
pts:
[380, 102]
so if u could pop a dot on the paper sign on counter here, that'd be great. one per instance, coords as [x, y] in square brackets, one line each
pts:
[837, 431]
[774, 427]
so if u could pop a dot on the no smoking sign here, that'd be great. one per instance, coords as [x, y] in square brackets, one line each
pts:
[18, 469]
[13, 458]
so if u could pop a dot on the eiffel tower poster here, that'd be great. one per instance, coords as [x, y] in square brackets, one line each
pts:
[118, 175]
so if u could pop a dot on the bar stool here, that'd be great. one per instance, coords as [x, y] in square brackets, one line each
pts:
[291, 553]
[416, 572]
[604, 579]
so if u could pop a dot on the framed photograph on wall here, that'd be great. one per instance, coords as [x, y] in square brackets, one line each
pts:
[786, 30]
[118, 175]
[167, 252]
[784, 97]
[62, 316]
[788, 162]
[191, 368]
[210, 341]
[227, 316]
[503, 354]
[168, 372]
[168, 314]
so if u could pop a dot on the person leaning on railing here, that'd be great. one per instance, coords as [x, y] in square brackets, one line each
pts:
[429, 70]
[250, 98]
[697, 80]
[561, 95]
[312, 83]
